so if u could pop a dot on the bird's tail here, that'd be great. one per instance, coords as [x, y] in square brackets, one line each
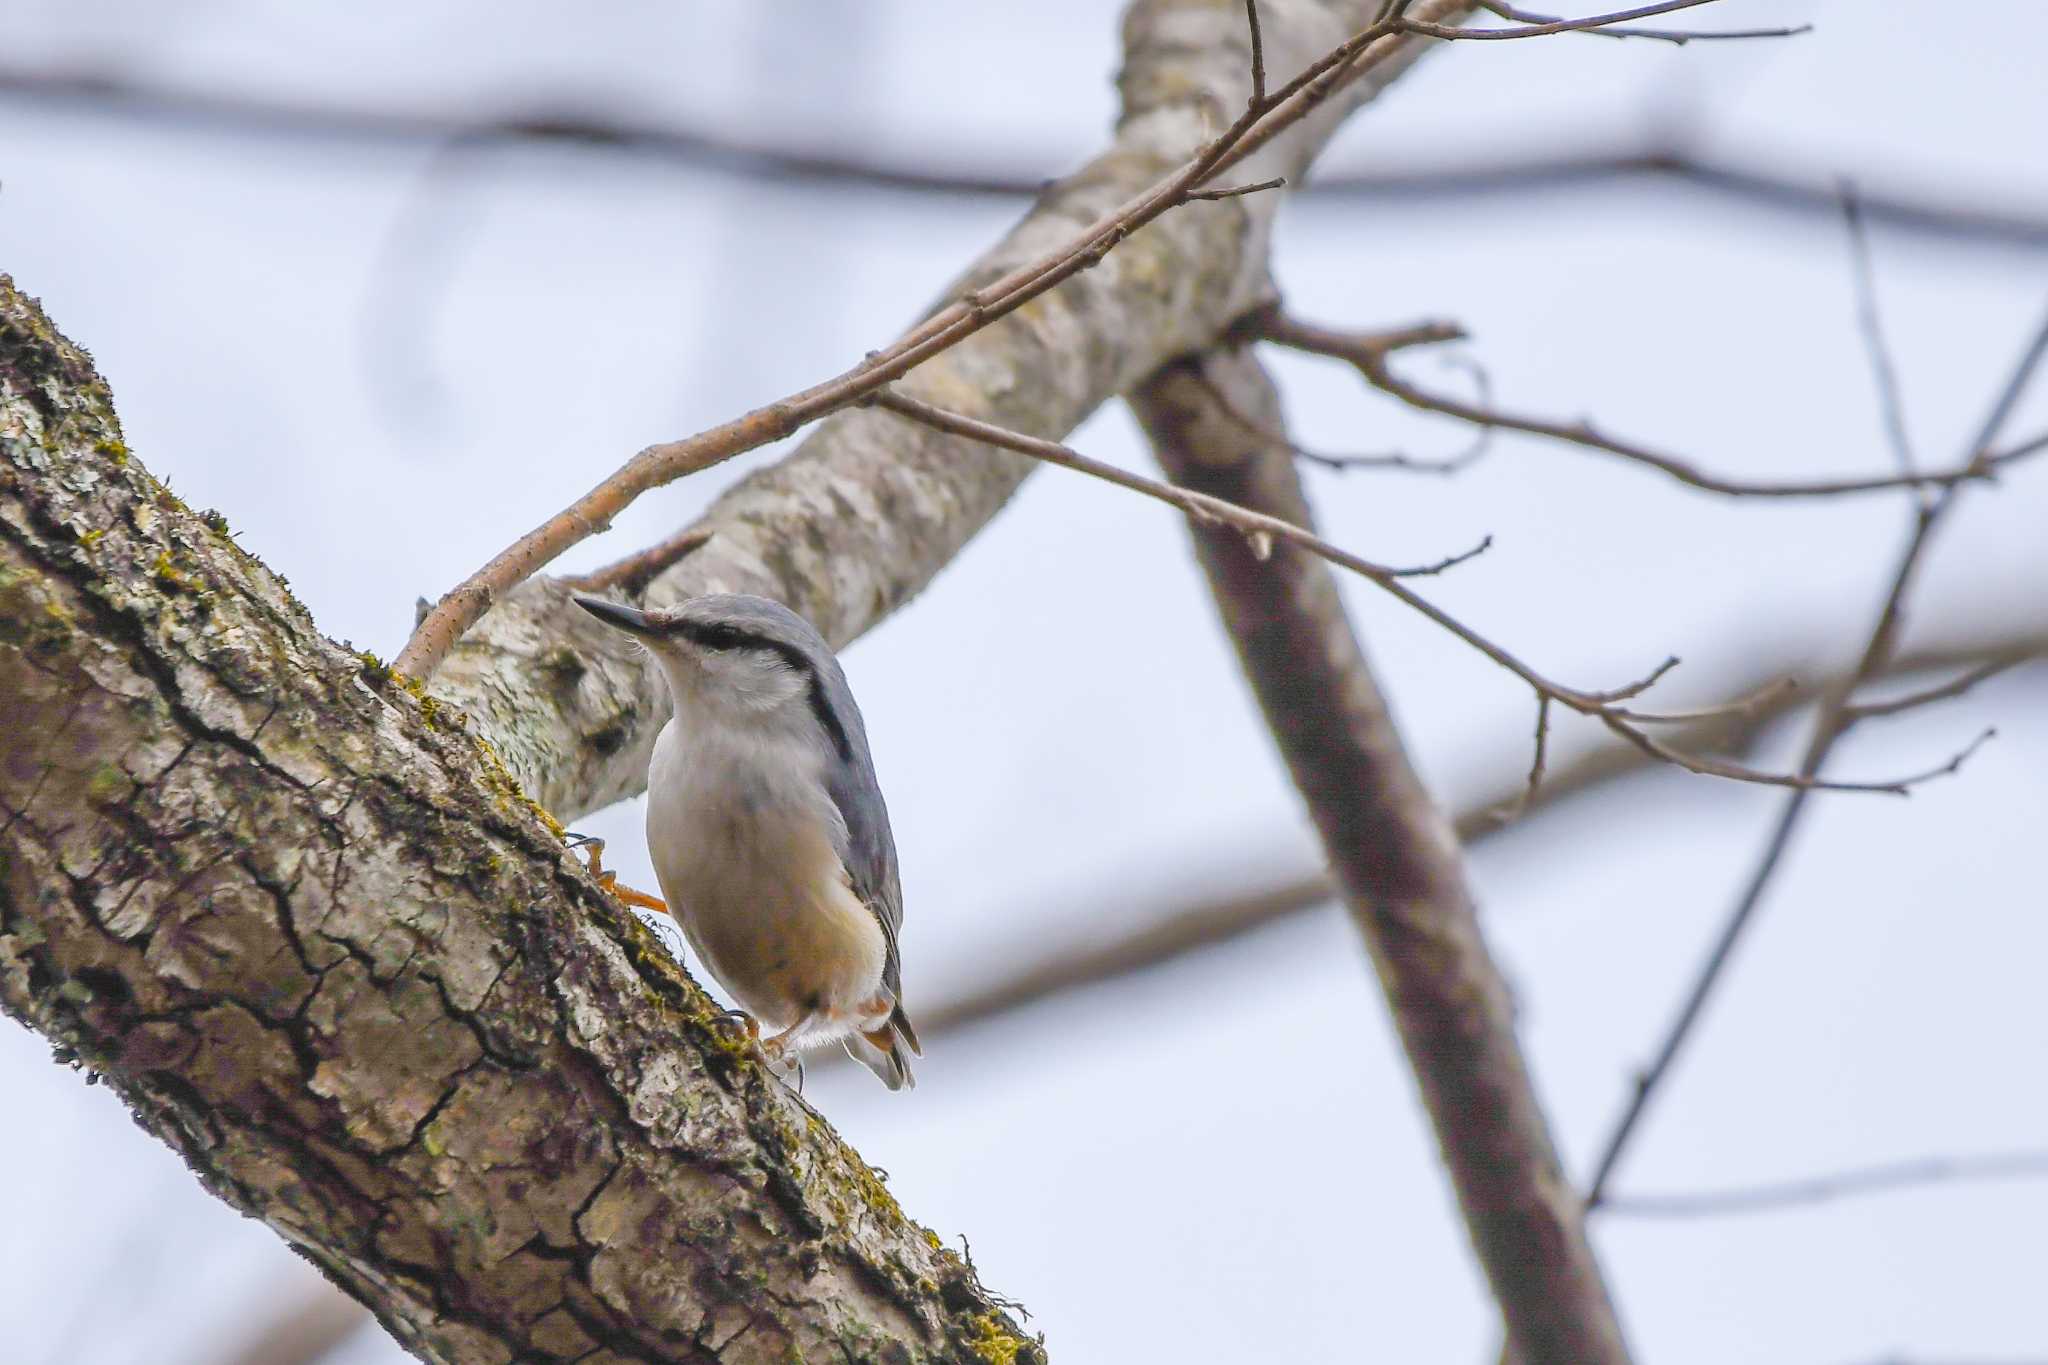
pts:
[887, 1051]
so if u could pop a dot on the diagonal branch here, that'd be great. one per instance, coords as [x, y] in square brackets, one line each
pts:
[1396, 862]
[862, 515]
[1260, 530]
[1263, 119]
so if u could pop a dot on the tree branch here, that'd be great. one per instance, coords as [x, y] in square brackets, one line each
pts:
[1396, 861]
[1837, 714]
[1258, 126]
[310, 930]
[1370, 354]
[1260, 531]
[1821, 1189]
[863, 514]
[1184, 921]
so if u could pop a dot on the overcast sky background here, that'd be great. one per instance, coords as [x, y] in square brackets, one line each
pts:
[381, 359]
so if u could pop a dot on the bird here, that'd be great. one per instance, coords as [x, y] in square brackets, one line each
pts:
[767, 828]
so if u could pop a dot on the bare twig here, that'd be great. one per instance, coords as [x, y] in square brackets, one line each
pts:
[1912, 701]
[1258, 529]
[1539, 30]
[1537, 761]
[1189, 921]
[1369, 353]
[1676, 37]
[1261, 531]
[1891, 405]
[635, 571]
[1836, 716]
[1819, 1189]
[1258, 44]
[1481, 442]
[1234, 191]
[661, 464]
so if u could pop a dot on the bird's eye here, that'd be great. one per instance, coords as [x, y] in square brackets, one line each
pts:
[719, 637]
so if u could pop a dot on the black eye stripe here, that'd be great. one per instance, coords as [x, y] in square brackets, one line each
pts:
[720, 635]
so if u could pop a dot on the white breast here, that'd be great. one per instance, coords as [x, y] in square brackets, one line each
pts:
[740, 831]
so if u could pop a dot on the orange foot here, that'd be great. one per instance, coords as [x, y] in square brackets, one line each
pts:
[610, 882]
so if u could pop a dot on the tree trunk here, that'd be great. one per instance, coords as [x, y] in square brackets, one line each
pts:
[1394, 855]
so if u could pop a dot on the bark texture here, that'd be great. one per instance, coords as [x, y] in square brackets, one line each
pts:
[309, 928]
[869, 508]
[1394, 855]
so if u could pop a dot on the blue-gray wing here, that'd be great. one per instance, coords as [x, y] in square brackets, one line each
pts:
[868, 848]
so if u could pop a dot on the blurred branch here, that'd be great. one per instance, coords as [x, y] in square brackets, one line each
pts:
[1396, 861]
[1820, 1189]
[1837, 714]
[1187, 920]
[1751, 176]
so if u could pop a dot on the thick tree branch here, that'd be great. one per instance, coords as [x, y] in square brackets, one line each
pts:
[862, 515]
[307, 926]
[1396, 861]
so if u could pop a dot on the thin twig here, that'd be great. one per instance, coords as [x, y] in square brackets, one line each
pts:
[1369, 353]
[1833, 720]
[1262, 530]
[1539, 30]
[1251, 18]
[1238, 191]
[1141, 937]
[636, 571]
[1258, 529]
[1913, 701]
[660, 464]
[1891, 405]
[1482, 441]
[1537, 761]
[1819, 1189]
[1676, 37]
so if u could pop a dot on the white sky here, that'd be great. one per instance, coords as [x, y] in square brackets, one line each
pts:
[379, 369]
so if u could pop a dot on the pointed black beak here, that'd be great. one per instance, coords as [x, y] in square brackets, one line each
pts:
[629, 619]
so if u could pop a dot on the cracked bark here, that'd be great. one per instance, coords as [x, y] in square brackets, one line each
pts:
[299, 917]
[1394, 856]
[868, 509]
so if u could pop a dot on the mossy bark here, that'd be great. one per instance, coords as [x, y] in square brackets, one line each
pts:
[305, 924]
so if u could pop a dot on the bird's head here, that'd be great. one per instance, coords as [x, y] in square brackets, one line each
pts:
[728, 653]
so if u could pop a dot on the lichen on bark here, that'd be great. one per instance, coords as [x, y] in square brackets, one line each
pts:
[325, 949]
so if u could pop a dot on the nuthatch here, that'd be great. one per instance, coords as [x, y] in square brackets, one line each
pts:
[767, 827]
